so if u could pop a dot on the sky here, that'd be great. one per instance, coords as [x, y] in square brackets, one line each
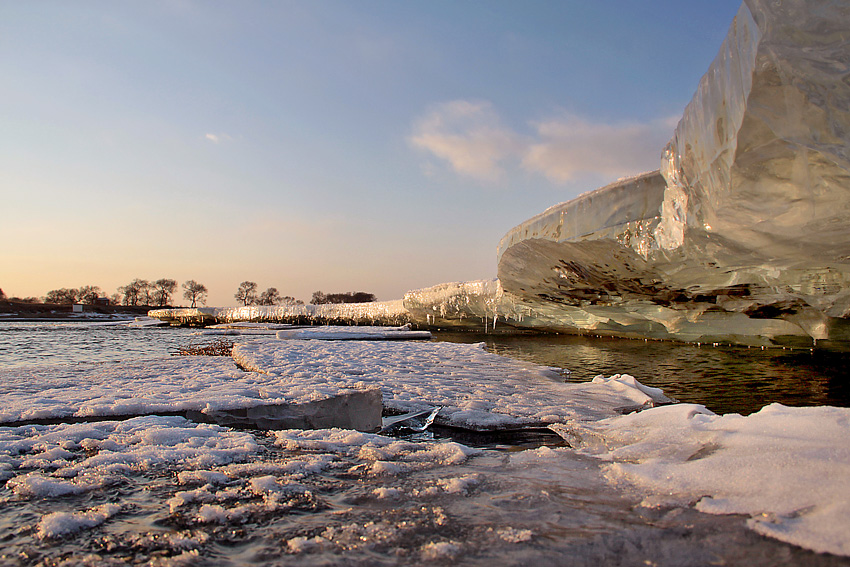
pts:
[376, 146]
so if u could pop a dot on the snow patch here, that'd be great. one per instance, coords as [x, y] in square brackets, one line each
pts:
[786, 467]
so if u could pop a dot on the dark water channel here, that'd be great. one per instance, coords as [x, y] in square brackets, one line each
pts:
[724, 379]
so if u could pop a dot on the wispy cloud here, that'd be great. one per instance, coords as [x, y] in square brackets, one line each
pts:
[569, 147]
[216, 138]
[471, 137]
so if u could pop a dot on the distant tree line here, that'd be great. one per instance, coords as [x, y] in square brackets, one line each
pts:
[138, 292]
[320, 298]
[159, 293]
[247, 295]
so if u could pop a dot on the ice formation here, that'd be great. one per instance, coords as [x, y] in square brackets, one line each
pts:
[374, 313]
[744, 234]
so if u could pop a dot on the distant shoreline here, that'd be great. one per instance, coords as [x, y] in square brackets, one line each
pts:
[21, 312]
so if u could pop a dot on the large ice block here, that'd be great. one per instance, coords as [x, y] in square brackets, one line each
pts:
[744, 234]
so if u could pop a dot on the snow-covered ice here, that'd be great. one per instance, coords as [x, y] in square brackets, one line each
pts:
[167, 384]
[786, 467]
[476, 389]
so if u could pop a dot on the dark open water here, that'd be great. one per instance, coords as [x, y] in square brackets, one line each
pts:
[724, 379]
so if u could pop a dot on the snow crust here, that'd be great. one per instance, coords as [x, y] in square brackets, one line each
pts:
[379, 455]
[64, 523]
[220, 475]
[476, 389]
[788, 468]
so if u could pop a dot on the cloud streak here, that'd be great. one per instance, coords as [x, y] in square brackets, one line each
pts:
[217, 138]
[468, 135]
[471, 137]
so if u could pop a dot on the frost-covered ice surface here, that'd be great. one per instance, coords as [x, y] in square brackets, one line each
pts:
[165, 491]
[476, 389]
[788, 468]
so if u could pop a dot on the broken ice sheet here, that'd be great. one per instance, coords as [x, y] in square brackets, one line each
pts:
[416, 421]
[474, 389]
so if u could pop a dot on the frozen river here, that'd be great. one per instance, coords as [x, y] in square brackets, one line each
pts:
[166, 491]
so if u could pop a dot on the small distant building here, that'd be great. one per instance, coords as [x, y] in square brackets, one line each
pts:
[102, 301]
[77, 308]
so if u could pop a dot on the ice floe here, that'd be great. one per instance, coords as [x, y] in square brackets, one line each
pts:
[474, 388]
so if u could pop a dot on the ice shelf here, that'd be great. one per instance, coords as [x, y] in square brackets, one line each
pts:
[744, 233]
[373, 313]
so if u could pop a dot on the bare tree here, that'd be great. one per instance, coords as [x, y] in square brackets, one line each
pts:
[63, 295]
[269, 297]
[162, 290]
[88, 294]
[137, 292]
[195, 292]
[318, 298]
[289, 300]
[146, 290]
[247, 293]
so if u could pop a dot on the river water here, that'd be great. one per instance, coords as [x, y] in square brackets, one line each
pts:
[513, 507]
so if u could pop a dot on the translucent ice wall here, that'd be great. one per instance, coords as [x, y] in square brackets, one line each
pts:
[745, 233]
[758, 170]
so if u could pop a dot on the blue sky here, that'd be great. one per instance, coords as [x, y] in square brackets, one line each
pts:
[321, 145]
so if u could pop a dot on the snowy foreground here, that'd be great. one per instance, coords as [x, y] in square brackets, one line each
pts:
[787, 469]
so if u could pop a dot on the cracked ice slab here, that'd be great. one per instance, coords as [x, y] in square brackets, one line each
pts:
[476, 389]
[207, 388]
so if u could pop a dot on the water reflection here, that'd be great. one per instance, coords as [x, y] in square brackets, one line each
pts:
[23, 344]
[725, 379]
